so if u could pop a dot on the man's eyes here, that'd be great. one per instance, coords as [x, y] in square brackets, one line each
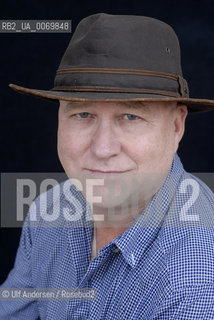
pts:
[86, 115]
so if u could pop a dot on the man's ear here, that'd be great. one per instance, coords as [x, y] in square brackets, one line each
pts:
[179, 122]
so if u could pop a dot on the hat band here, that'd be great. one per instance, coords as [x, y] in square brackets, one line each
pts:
[120, 80]
[114, 89]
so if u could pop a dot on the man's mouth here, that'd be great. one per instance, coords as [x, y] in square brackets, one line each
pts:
[105, 173]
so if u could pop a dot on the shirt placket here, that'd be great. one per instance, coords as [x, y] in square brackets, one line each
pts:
[79, 309]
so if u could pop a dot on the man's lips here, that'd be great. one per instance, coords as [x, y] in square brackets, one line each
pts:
[105, 173]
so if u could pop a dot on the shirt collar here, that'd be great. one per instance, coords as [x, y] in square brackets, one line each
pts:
[134, 242]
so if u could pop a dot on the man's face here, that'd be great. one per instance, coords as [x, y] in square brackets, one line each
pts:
[129, 145]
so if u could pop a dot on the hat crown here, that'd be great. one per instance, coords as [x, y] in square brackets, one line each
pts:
[119, 53]
[123, 41]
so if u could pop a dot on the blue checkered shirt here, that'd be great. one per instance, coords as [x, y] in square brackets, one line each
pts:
[162, 267]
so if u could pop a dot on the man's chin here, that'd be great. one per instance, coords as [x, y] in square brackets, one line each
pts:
[118, 194]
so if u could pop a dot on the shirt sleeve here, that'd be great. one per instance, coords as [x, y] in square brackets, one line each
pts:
[196, 302]
[20, 277]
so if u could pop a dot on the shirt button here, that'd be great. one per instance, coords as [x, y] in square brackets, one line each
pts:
[116, 250]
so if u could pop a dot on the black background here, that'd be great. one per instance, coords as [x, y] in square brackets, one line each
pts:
[28, 125]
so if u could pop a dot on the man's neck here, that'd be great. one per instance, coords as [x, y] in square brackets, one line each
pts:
[107, 230]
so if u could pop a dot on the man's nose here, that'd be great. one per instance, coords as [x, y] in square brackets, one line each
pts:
[105, 142]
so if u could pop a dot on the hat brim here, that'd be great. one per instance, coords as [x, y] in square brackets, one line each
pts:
[193, 104]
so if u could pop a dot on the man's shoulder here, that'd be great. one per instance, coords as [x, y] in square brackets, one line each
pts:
[51, 222]
[189, 255]
[53, 214]
[187, 235]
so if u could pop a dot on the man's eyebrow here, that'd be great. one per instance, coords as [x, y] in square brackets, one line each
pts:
[74, 105]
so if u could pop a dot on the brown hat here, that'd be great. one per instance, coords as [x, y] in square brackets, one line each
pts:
[120, 58]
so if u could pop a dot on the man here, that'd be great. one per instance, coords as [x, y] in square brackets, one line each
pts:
[148, 248]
